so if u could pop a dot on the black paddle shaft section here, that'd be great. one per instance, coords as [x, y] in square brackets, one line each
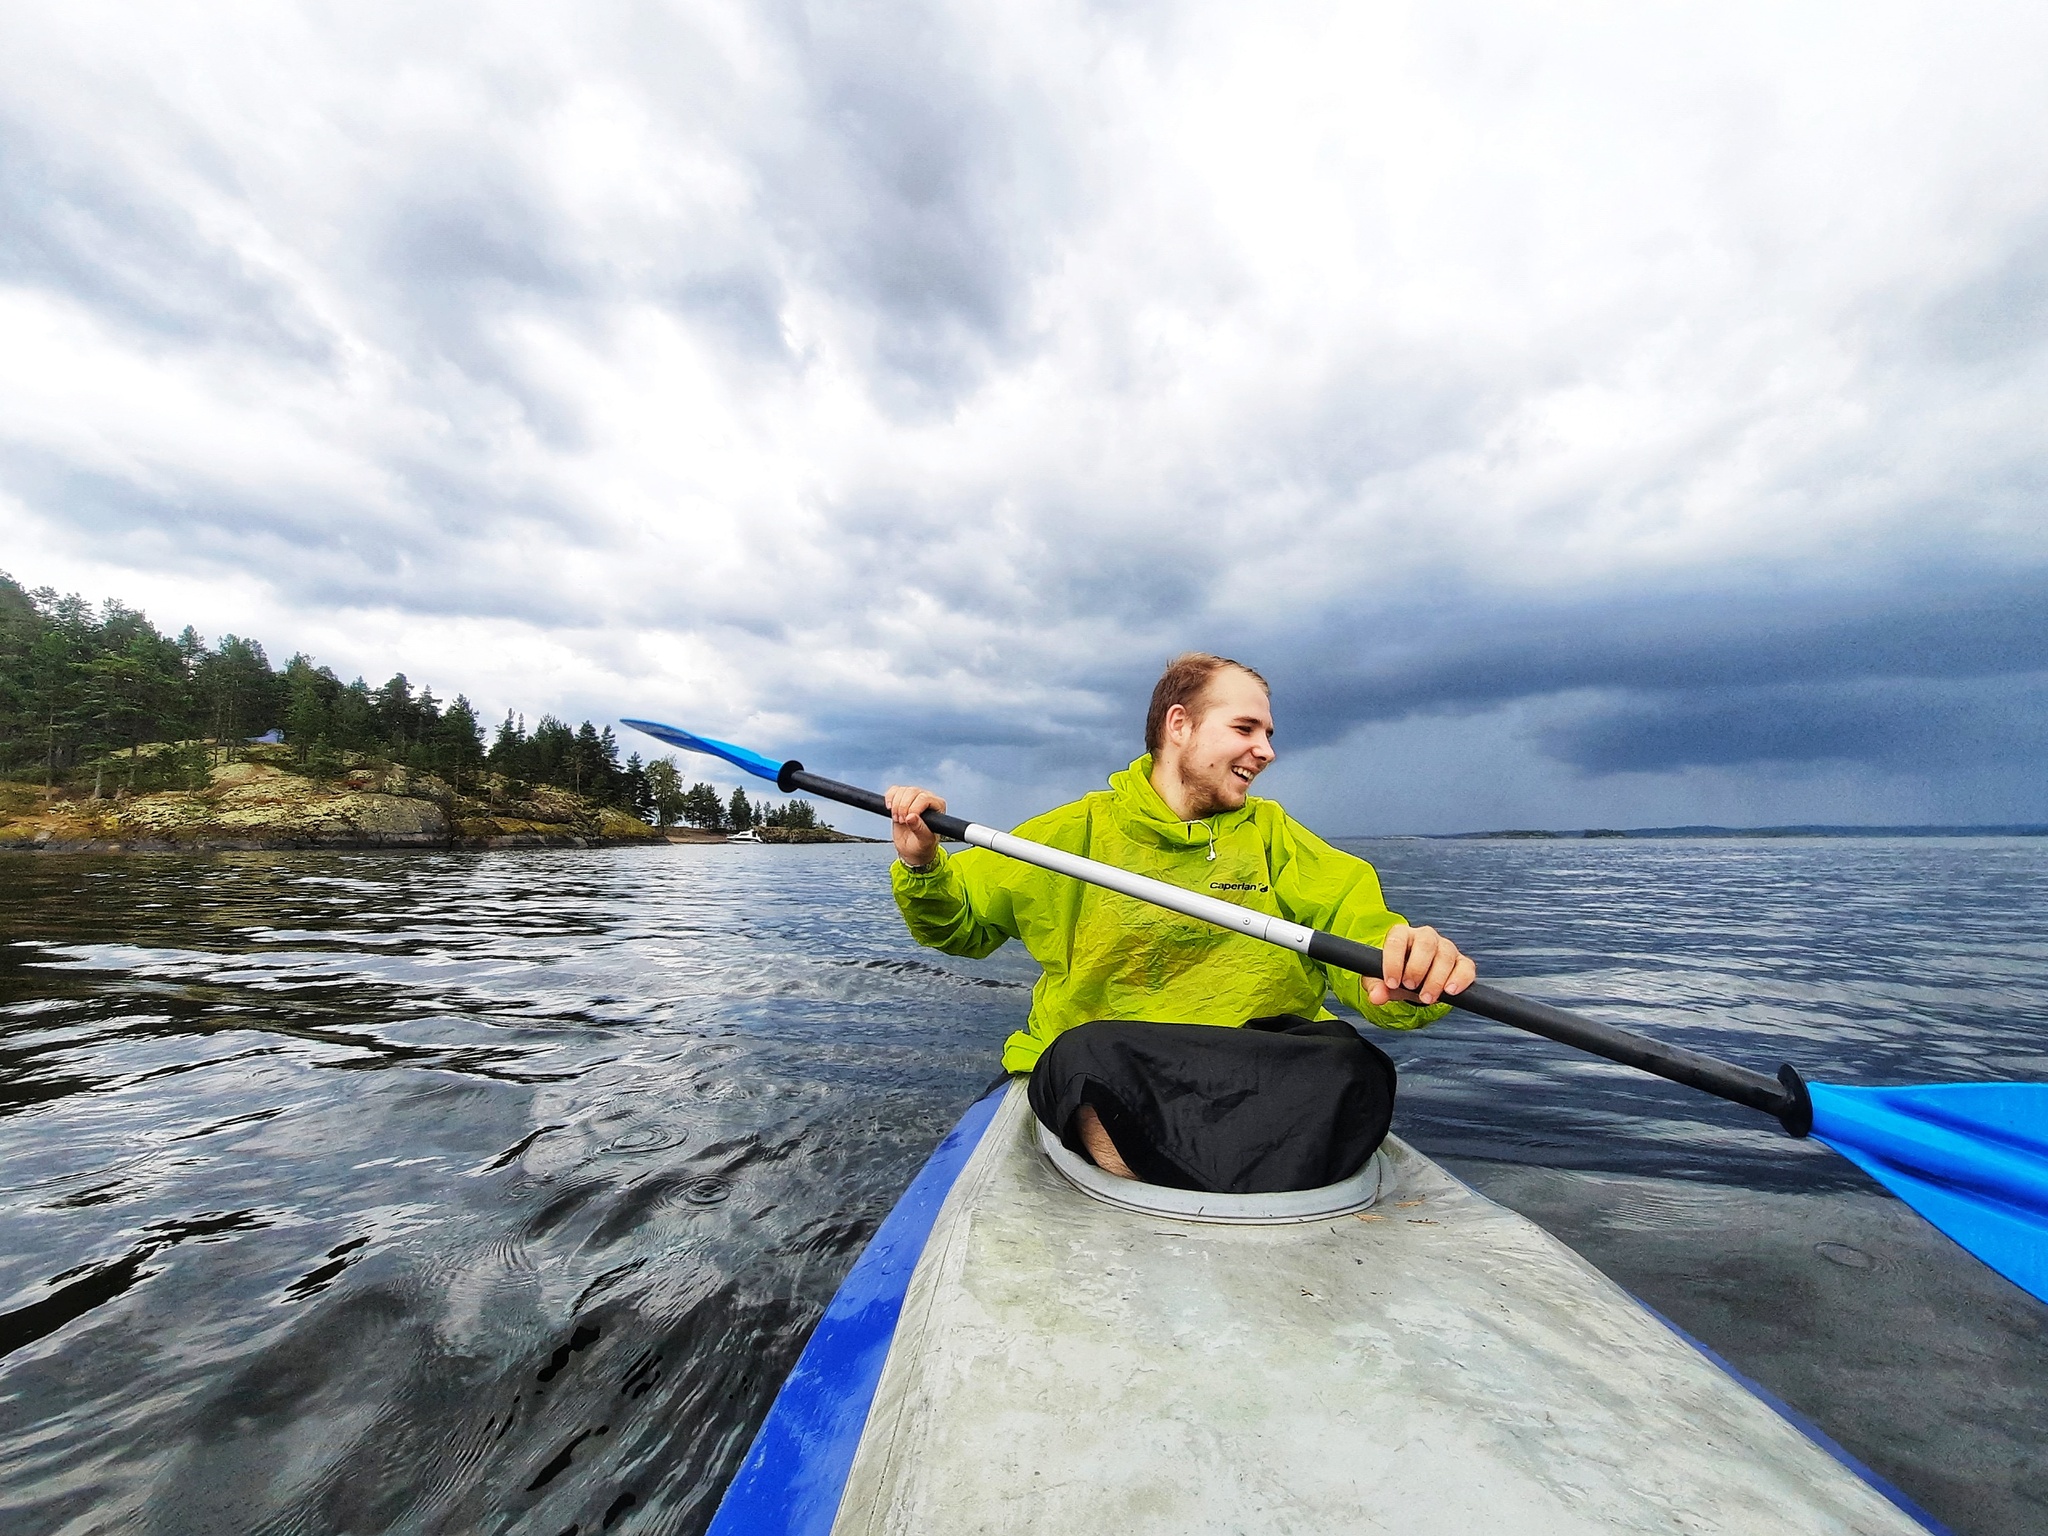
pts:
[1783, 1097]
[794, 776]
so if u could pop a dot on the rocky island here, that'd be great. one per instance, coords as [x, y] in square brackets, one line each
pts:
[259, 801]
[115, 737]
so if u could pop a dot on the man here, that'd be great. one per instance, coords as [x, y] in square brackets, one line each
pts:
[1291, 1098]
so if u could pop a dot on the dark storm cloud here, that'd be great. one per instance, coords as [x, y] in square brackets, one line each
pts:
[1935, 664]
[1909, 723]
[1946, 671]
[1938, 627]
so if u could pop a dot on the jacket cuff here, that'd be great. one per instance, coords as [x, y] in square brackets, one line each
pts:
[903, 874]
[1396, 1014]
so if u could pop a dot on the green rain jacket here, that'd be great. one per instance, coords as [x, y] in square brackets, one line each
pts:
[1107, 956]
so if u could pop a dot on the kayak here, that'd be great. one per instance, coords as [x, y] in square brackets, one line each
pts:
[1028, 1344]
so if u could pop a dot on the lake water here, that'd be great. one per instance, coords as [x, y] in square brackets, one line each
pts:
[496, 1192]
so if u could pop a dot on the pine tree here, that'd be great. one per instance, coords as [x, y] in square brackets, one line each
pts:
[241, 692]
[551, 754]
[638, 798]
[701, 808]
[393, 710]
[305, 714]
[461, 737]
[352, 718]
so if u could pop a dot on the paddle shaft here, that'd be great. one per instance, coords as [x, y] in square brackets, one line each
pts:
[1784, 1097]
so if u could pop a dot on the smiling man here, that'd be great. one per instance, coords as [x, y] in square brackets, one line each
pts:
[1288, 1097]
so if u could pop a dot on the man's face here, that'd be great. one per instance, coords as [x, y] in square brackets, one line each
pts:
[1224, 743]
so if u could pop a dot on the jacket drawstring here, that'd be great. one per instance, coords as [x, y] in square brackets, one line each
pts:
[1209, 827]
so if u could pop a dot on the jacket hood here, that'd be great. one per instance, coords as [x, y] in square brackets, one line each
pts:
[1145, 813]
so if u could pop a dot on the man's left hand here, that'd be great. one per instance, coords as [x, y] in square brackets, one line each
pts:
[1421, 966]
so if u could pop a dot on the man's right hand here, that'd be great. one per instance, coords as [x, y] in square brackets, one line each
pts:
[1420, 966]
[916, 844]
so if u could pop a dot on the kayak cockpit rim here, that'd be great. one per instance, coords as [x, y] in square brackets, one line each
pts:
[1282, 1208]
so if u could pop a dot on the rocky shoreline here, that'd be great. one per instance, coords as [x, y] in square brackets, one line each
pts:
[260, 803]
[257, 804]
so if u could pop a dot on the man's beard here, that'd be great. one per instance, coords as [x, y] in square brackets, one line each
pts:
[1206, 797]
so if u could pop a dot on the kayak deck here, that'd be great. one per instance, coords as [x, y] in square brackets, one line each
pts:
[1436, 1364]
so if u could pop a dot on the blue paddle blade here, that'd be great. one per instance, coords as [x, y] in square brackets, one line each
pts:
[1970, 1157]
[739, 757]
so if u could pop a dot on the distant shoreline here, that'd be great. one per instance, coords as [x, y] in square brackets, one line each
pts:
[688, 836]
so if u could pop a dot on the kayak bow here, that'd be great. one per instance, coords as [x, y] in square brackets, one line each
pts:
[1022, 1349]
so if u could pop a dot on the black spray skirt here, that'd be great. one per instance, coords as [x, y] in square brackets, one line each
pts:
[1283, 1103]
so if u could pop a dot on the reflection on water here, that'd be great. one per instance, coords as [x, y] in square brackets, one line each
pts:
[496, 1192]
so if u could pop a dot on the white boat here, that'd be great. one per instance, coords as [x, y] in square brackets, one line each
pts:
[1030, 1345]
[748, 836]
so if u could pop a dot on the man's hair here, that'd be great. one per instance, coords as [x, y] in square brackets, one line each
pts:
[1183, 682]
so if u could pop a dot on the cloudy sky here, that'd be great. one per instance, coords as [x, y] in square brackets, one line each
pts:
[1602, 414]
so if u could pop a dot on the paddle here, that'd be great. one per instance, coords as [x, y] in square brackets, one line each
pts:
[1970, 1157]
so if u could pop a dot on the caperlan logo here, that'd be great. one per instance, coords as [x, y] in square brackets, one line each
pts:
[1234, 885]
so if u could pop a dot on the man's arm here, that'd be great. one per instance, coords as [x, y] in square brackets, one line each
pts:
[1339, 892]
[946, 902]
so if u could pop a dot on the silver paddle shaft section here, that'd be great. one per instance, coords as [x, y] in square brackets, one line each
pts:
[1207, 909]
